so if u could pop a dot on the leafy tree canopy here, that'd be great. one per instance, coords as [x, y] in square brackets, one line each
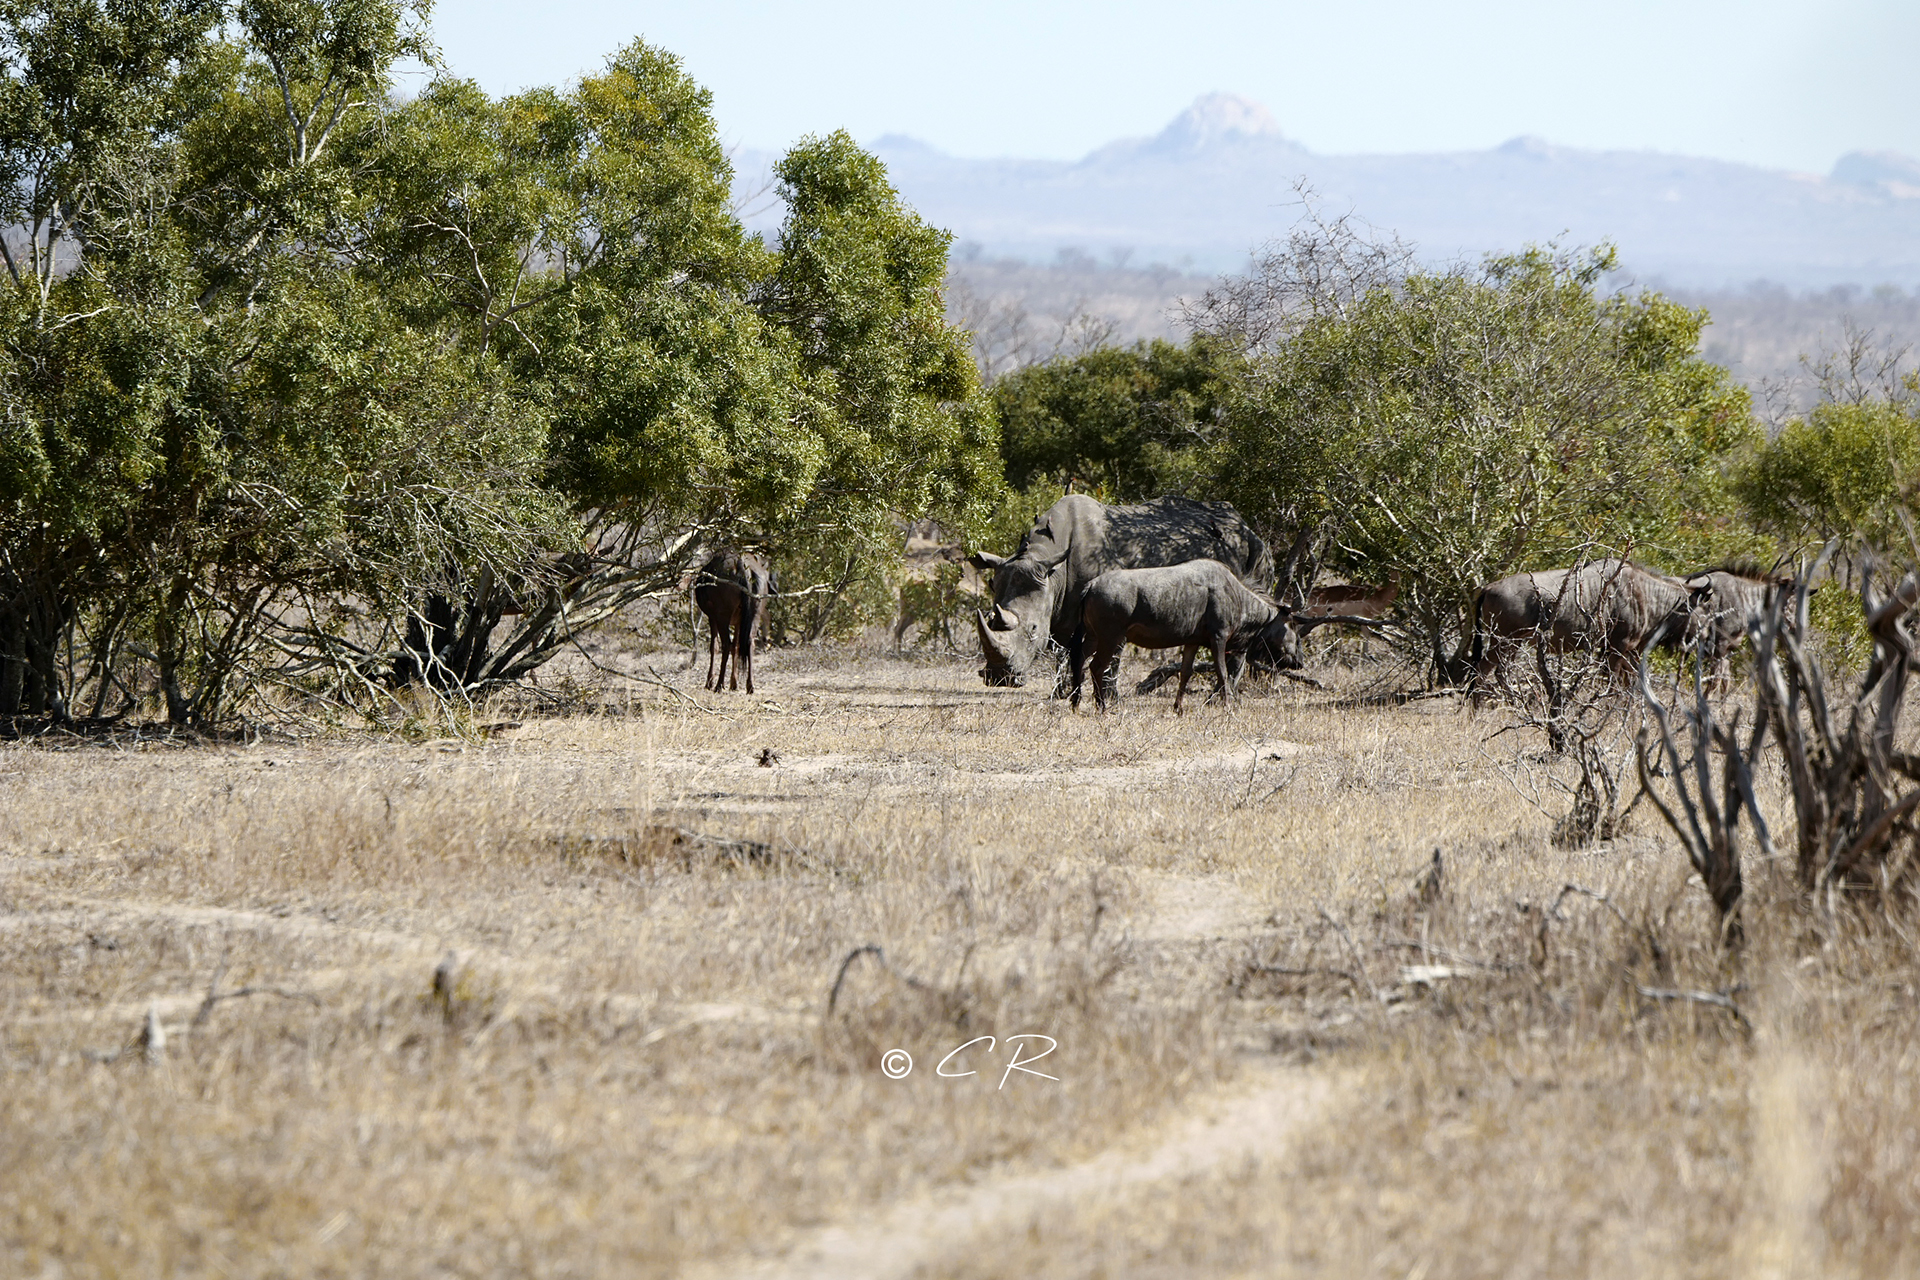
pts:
[1126, 422]
[302, 385]
[1456, 425]
[1846, 470]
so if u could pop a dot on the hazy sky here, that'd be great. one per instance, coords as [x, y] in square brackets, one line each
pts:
[1783, 83]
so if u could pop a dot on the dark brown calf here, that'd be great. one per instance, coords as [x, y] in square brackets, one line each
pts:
[731, 588]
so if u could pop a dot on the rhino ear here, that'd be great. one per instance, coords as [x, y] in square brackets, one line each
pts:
[986, 561]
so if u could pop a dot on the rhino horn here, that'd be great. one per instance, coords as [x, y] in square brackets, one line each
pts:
[1004, 619]
[994, 652]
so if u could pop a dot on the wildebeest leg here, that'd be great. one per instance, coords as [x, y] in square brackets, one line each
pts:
[713, 642]
[727, 643]
[1224, 674]
[748, 608]
[1485, 670]
[1106, 663]
[1186, 674]
[733, 680]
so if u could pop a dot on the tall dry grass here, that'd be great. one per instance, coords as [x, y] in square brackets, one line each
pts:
[627, 1066]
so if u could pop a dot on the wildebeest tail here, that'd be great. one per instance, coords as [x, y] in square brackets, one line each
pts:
[1479, 647]
[749, 614]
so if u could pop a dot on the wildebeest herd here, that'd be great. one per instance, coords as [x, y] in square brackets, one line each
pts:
[1091, 578]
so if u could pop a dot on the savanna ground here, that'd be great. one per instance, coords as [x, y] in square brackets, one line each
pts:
[552, 999]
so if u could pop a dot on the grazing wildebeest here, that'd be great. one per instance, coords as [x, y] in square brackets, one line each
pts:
[731, 588]
[1039, 590]
[1609, 606]
[1198, 603]
[1736, 596]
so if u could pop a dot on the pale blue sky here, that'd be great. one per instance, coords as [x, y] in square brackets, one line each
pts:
[1782, 83]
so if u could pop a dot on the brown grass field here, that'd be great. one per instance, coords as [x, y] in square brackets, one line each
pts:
[550, 998]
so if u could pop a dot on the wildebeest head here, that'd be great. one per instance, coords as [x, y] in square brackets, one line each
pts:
[1277, 645]
[1728, 600]
[1015, 630]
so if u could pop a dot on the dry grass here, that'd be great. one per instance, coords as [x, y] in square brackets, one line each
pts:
[627, 1069]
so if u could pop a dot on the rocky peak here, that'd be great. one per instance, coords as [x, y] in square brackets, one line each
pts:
[1215, 118]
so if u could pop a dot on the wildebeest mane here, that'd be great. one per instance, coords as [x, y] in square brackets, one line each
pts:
[1744, 567]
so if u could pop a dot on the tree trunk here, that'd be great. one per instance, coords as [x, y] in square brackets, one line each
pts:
[31, 628]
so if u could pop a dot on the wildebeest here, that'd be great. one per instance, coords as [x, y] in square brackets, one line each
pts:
[1611, 606]
[1736, 596]
[731, 588]
[1039, 590]
[1198, 603]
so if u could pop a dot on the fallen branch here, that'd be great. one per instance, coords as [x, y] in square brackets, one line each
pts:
[1280, 971]
[215, 996]
[1595, 894]
[880, 958]
[1358, 959]
[664, 683]
[1719, 1000]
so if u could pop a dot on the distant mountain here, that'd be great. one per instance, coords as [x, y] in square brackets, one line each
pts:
[1220, 179]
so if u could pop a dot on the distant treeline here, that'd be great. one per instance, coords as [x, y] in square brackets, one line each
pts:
[1023, 311]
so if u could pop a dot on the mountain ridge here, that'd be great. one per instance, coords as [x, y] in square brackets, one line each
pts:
[1221, 178]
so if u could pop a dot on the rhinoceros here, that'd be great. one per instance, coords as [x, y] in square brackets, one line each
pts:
[1038, 591]
[1188, 605]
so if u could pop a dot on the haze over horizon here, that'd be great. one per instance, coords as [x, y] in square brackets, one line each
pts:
[1781, 84]
[1222, 177]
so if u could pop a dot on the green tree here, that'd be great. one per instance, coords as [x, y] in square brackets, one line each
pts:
[302, 385]
[886, 389]
[1457, 425]
[1126, 422]
[1845, 471]
[219, 436]
[89, 109]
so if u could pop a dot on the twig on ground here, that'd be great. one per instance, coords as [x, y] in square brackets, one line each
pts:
[880, 958]
[1281, 971]
[215, 996]
[655, 678]
[1359, 959]
[1442, 954]
[1718, 999]
[1595, 894]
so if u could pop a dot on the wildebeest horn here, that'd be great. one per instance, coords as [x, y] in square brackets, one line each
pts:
[995, 653]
